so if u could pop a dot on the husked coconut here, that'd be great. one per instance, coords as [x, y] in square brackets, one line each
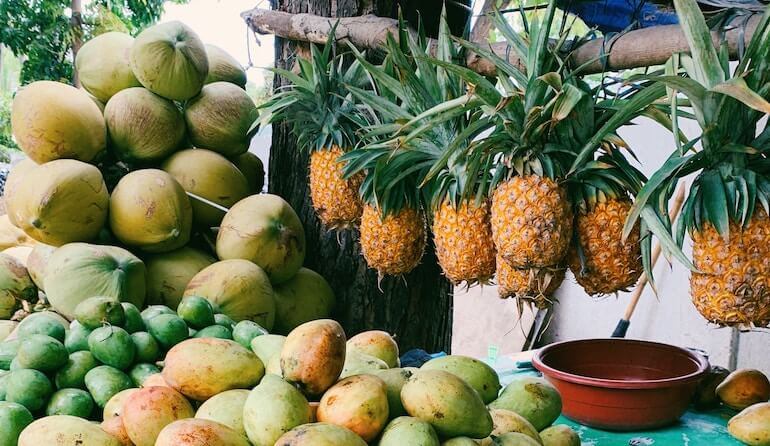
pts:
[169, 59]
[223, 67]
[220, 117]
[59, 202]
[143, 126]
[253, 169]
[150, 210]
[211, 176]
[169, 273]
[102, 65]
[15, 286]
[52, 120]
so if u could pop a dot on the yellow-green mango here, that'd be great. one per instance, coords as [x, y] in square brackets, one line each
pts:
[114, 406]
[477, 374]
[448, 403]
[198, 432]
[560, 435]
[743, 388]
[533, 398]
[359, 403]
[313, 356]
[408, 431]
[273, 408]
[65, 430]
[320, 434]
[460, 441]
[225, 408]
[752, 425]
[505, 421]
[226, 363]
[267, 346]
[238, 288]
[376, 343]
[357, 363]
[395, 380]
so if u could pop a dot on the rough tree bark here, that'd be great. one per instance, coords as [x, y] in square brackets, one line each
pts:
[416, 308]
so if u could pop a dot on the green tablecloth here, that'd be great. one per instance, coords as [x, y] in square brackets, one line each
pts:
[694, 428]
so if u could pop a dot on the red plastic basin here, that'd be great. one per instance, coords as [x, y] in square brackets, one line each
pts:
[622, 384]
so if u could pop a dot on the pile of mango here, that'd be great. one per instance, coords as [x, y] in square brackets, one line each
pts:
[220, 384]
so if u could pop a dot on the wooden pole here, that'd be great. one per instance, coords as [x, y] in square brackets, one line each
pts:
[635, 49]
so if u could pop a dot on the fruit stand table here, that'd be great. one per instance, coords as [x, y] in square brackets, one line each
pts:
[695, 428]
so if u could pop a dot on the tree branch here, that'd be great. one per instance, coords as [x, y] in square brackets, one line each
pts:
[635, 49]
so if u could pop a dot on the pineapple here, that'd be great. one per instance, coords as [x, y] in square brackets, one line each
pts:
[534, 286]
[732, 286]
[325, 119]
[335, 199]
[463, 238]
[609, 264]
[531, 221]
[725, 212]
[395, 243]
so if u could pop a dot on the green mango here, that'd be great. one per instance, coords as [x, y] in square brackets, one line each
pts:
[155, 310]
[113, 346]
[77, 338]
[73, 374]
[75, 402]
[267, 346]
[41, 323]
[168, 329]
[141, 372]
[448, 403]
[272, 409]
[245, 331]
[214, 331]
[477, 374]
[533, 398]
[224, 320]
[560, 435]
[515, 439]
[134, 320]
[357, 363]
[94, 312]
[8, 350]
[505, 421]
[13, 418]
[460, 441]
[104, 382]
[408, 431]
[41, 352]
[28, 387]
[196, 311]
[147, 348]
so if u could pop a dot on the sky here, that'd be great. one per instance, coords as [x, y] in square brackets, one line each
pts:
[218, 22]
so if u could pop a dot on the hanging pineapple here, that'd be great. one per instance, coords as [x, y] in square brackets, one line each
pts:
[324, 120]
[404, 149]
[726, 211]
[540, 121]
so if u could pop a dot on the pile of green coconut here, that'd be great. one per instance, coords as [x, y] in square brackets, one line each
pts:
[139, 186]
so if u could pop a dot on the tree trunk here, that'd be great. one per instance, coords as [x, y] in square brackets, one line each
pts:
[417, 308]
[76, 23]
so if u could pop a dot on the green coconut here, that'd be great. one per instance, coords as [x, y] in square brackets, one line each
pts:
[59, 202]
[220, 117]
[150, 210]
[237, 288]
[15, 286]
[169, 273]
[253, 169]
[305, 297]
[52, 120]
[37, 262]
[210, 176]
[265, 230]
[143, 126]
[169, 59]
[102, 65]
[223, 67]
[78, 271]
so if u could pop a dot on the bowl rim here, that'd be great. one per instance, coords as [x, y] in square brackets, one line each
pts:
[700, 360]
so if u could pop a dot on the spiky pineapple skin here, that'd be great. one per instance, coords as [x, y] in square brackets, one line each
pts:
[733, 285]
[335, 199]
[610, 264]
[531, 221]
[463, 238]
[392, 245]
[531, 285]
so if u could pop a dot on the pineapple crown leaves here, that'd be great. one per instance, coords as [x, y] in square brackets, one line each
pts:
[731, 169]
[402, 143]
[317, 104]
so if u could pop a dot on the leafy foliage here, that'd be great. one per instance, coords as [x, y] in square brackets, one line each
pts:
[731, 166]
[41, 31]
[318, 104]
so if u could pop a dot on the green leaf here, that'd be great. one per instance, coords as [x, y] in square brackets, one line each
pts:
[736, 88]
[708, 68]
[667, 243]
[566, 101]
[714, 202]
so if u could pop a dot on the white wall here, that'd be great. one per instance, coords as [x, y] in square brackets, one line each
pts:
[482, 319]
